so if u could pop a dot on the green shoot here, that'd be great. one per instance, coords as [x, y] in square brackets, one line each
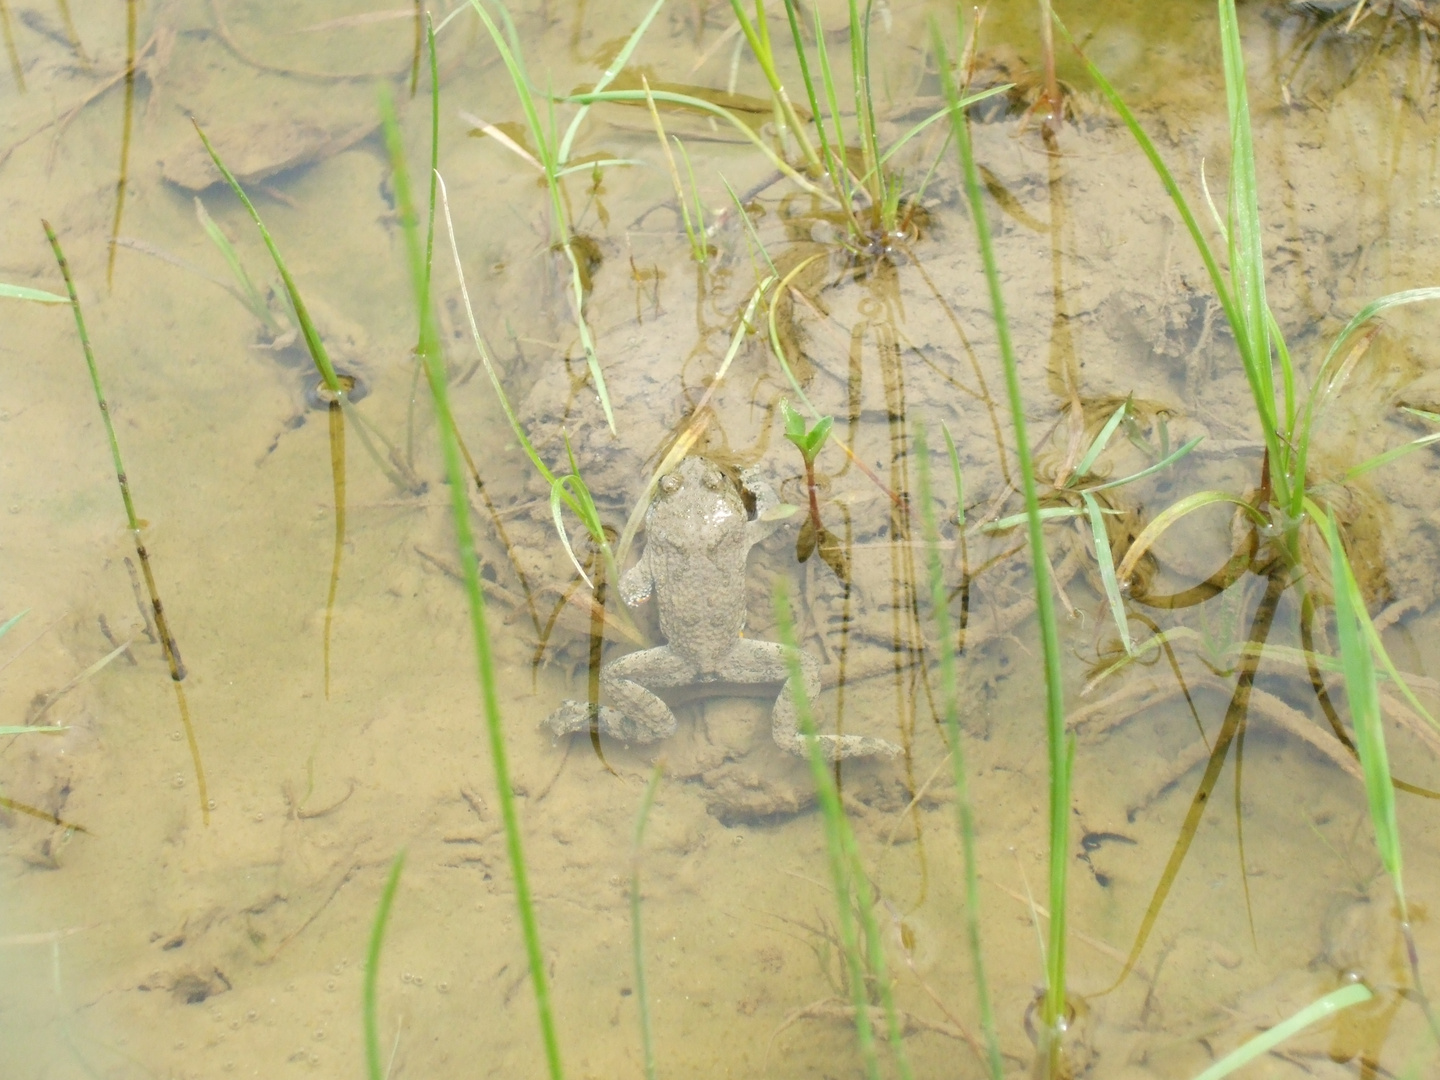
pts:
[369, 999]
[809, 441]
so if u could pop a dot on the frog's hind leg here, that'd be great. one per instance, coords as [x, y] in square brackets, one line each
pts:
[638, 716]
[764, 661]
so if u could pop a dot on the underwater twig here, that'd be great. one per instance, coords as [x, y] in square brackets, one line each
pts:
[167, 640]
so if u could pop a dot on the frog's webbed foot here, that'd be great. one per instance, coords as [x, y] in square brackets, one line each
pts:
[573, 716]
[836, 747]
[764, 661]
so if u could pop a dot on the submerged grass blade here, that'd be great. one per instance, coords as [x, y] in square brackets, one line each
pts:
[318, 355]
[950, 701]
[20, 292]
[337, 479]
[637, 936]
[1320, 1009]
[1105, 559]
[167, 640]
[369, 1001]
[484, 662]
[1363, 691]
[1053, 1010]
[254, 303]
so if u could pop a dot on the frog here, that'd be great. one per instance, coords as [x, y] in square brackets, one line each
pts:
[698, 536]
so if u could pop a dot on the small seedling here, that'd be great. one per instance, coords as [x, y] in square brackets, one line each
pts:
[813, 534]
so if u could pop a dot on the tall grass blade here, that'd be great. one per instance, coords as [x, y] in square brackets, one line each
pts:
[369, 998]
[1053, 1011]
[470, 569]
[950, 703]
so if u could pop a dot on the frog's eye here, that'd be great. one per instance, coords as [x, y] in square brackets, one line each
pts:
[670, 483]
[714, 479]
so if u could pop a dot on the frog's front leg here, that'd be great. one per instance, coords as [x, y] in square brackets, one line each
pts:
[764, 661]
[639, 716]
[766, 500]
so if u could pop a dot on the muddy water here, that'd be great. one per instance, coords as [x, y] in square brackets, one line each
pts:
[151, 944]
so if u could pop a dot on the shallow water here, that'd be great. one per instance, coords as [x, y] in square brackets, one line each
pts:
[151, 944]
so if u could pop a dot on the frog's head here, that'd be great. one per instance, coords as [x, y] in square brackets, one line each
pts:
[695, 473]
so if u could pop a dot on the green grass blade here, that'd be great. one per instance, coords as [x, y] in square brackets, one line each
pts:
[434, 149]
[254, 302]
[836, 163]
[507, 44]
[637, 936]
[1257, 365]
[26, 729]
[9, 623]
[607, 77]
[701, 105]
[1098, 444]
[372, 970]
[470, 570]
[514, 64]
[318, 354]
[1380, 460]
[950, 703]
[1321, 388]
[1247, 255]
[757, 35]
[1164, 463]
[1105, 558]
[1362, 690]
[1053, 1010]
[39, 296]
[1047, 513]
[1173, 513]
[941, 114]
[1320, 1009]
